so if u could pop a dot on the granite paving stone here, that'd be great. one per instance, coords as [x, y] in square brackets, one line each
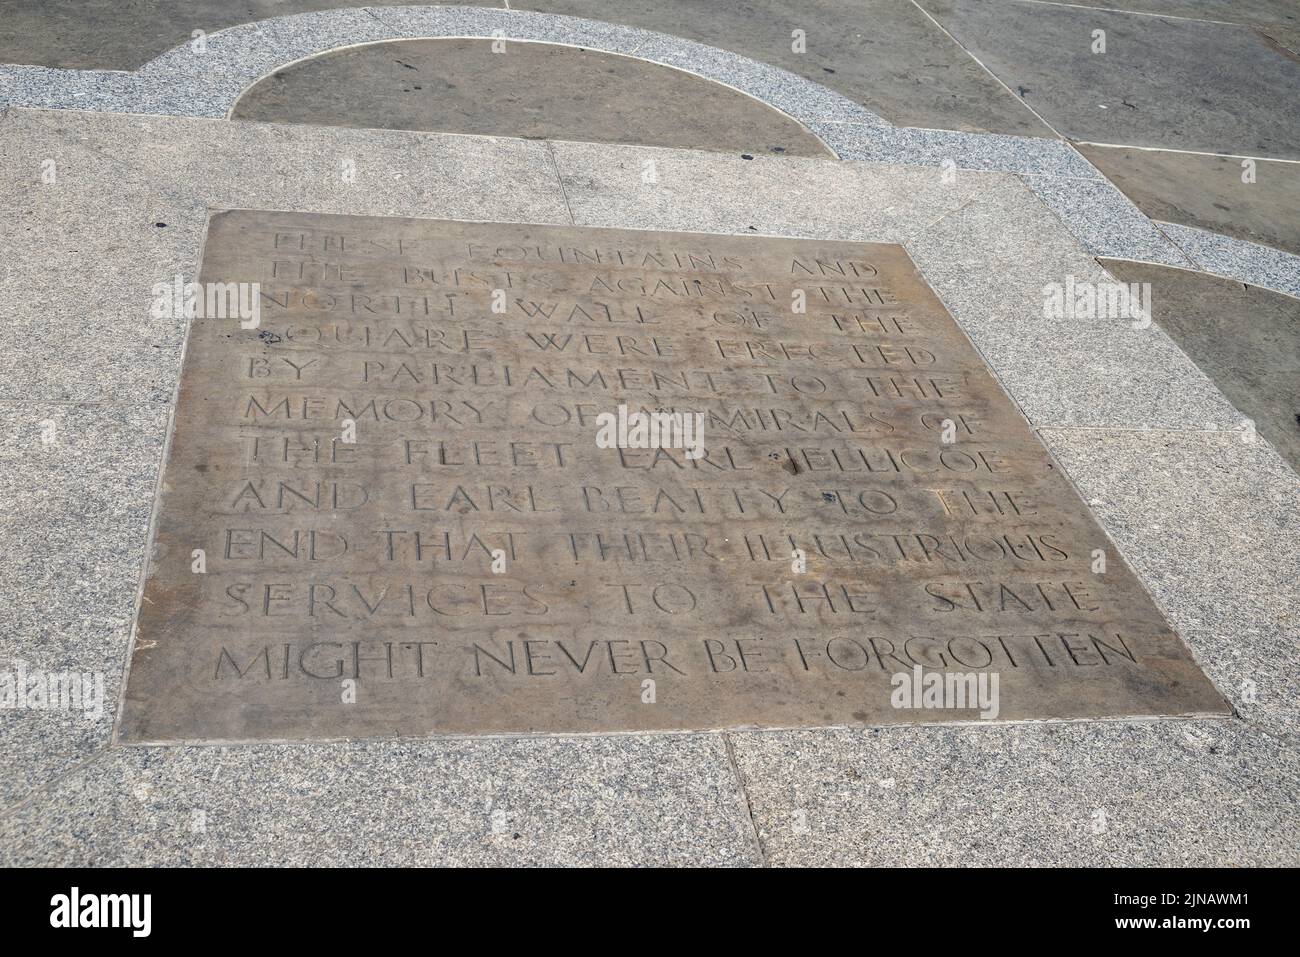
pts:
[46, 87]
[883, 54]
[123, 34]
[624, 801]
[1238, 259]
[286, 166]
[76, 504]
[291, 35]
[85, 250]
[1210, 520]
[78, 254]
[993, 262]
[1171, 794]
[1105, 221]
[947, 148]
[754, 194]
[1209, 192]
[1243, 337]
[516, 23]
[1256, 671]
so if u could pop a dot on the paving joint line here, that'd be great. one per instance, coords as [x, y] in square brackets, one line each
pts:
[1172, 149]
[969, 201]
[756, 838]
[1132, 13]
[1195, 266]
[559, 181]
[48, 787]
[996, 78]
[1135, 428]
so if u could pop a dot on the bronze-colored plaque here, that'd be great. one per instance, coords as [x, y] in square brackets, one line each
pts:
[465, 478]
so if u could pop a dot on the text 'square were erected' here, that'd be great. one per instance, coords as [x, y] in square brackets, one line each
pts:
[470, 478]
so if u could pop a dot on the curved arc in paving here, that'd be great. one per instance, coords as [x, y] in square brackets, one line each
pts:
[572, 45]
[307, 35]
[181, 83]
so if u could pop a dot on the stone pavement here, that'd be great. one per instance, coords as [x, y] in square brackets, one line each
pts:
[955, 137]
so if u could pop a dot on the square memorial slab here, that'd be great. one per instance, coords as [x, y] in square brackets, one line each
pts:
[434, 477]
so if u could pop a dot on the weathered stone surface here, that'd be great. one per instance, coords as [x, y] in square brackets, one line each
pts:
[1208, 192]
[531, 90]
[868, 499]
[886, 55]
[1266, 13]
[1179, 84]
[1243, 337]
[122, 34]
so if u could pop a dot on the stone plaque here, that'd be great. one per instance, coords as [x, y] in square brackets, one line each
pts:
[493, 478]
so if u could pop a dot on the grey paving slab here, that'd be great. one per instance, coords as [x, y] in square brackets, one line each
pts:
[82, 254]
[1105, 220]
[123, 34]
[1171, 793]
[1208, 192]
[529, 90]
[993, 261]
[626, 801]
[204, 76]
[273, 166]
[1245, 338]
[883, 54]
[1161, 82]
[88, 248]
[39, 86]
[1253, 12]
[990, 152]
[1206, 519]
[983, 241]
[608, 185]
[516, 23]
[1241, 260]
[76, 502]
[1286, 39]
[785, 90]
[1210, 521]
[290, 34]
[205, 80]
[1257, 672]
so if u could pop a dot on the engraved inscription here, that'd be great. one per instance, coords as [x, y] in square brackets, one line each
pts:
[386, 509]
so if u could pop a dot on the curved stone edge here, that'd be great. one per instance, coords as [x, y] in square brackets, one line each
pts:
[829, 151]
[206, 76]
